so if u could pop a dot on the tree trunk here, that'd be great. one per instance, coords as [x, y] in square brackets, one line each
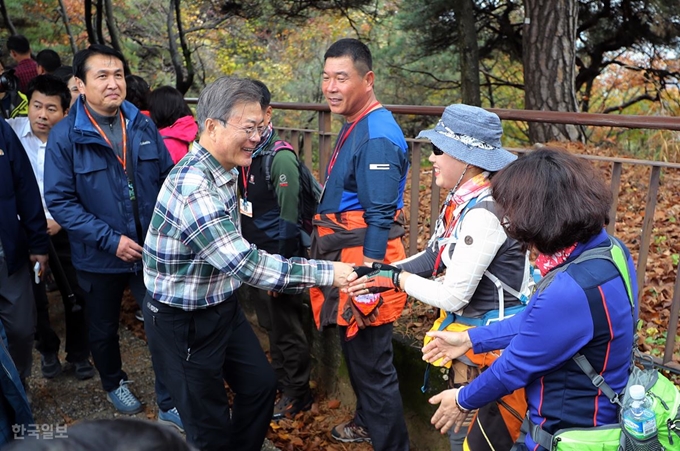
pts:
[111, 25]
[174, 15]
[5, 17]
[469, 51]
[91, 36]
[549, 35]
[64, 17]
[100, 22]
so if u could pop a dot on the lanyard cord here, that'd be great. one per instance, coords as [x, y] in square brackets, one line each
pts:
[123, 160]
[244, 177]
[341, 140]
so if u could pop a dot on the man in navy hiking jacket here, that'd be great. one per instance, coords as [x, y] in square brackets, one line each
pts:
[104, 166]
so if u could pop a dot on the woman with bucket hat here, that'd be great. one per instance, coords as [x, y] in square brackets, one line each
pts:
[471, 270]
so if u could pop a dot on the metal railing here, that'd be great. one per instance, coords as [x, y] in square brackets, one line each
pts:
[304, 142]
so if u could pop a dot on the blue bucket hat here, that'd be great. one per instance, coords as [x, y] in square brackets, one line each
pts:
[471, 135]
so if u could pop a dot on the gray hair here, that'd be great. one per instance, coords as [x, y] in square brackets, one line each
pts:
[219, 98]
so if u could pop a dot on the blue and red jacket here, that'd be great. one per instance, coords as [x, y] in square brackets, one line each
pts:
[369, 175]
[585, 309]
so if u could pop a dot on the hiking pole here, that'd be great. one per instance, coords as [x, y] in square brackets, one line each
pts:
[61, 279]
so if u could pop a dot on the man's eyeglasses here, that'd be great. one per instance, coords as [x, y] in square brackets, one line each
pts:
[250, 131]
[436, 150]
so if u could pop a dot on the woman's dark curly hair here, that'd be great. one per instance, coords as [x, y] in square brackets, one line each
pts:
[550, 200]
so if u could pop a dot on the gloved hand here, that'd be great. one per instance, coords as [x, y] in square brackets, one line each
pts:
[381, 277]
[361, 311]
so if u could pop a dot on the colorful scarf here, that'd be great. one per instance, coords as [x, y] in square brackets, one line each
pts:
[448, 218]
[545, 263]
[466, 192]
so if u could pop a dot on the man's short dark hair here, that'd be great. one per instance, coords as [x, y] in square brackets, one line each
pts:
[354, 49]
[266, 95]
[64, 73]
[137, 91]
[80, 58]
[50, 85]
[19, 44]
[49, 60]
[550, 199]
[166, 106]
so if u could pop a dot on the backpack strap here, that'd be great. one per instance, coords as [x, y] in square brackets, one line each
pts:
[500, 285]
[268, 156]
[596, 379]
[539, 435]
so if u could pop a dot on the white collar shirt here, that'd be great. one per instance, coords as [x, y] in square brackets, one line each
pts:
[35, 149]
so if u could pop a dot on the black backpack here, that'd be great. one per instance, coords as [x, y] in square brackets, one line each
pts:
[310, 189]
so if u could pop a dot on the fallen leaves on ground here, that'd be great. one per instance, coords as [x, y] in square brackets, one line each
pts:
[310, 431]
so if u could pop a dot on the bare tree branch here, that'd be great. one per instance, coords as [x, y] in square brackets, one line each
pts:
[91, 37]
[186, 52]
[630, 102]
[64, 18]
[111, 25]
[6, 18]
[100, 20]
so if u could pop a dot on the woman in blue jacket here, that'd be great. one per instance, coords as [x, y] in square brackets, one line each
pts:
[557, 205]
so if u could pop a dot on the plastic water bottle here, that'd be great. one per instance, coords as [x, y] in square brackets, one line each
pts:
[638, 416]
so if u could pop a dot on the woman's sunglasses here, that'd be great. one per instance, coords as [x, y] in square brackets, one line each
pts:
[436, 150]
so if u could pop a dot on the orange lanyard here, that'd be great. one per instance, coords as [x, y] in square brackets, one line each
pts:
[343, 138]
[123, 160]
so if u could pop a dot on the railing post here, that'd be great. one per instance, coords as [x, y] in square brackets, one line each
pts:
[295, 140]
[673, 320]
[307, 149]
[615, 188]
[647, 226]
[324, 142]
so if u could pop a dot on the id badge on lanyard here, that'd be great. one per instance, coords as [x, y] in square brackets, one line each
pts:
[246, 207]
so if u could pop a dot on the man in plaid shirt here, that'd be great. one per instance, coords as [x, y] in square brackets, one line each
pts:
[195, 259]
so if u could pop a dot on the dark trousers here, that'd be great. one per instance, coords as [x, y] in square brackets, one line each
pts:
[77, 344]
[282, 317]
[197, 351]
[374, 380]
[17, 313]
[103, 296]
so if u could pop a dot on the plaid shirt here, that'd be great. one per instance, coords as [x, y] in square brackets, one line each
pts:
[194, 253]
[26, 70]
